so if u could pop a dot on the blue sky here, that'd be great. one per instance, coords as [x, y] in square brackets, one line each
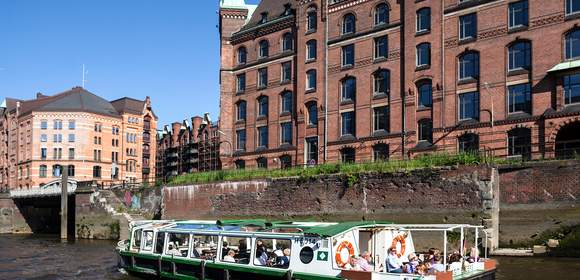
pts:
[166, 49]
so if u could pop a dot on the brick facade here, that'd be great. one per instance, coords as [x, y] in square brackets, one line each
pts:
[457, 99]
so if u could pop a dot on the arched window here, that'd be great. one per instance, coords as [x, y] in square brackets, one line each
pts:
[311, 79]
[348, 89]
[262, 106]
[423, 20]
[42, 171]
[56, 170]
[520, 56]
[242, 55]
[312, 113]
[240, 164]
[573, 44]
[423, 55]
[425, 128]
[71, 170]
[264, 49]
[311, 20]
[241, 110]
[347, 155]
[381, 152]
[382, 82]
[311, 50]
[96, 172]
[287, 42]
[382, 14]
[468, 66]
[425, 96]
[468, 143]
[285, 161]
[286, 100]
[348, 24]
[520, 142]
[262, 162]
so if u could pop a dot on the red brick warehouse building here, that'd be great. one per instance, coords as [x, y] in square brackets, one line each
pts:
[359, 80]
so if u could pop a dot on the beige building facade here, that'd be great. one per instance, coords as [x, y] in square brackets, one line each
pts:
[93, 139]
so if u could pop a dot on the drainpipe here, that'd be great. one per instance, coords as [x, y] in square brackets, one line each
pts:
[326, 83]
[442, 64]
[402, 89]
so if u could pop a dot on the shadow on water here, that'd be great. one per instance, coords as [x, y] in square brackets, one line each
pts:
[47, 257]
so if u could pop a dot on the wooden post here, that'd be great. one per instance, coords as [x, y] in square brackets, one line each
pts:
[64, 204]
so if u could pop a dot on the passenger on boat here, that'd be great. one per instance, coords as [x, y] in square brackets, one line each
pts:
[284, 261]
[438, 264]
[411, 266]
[242, 247]
[173, 251]
[352, 264]
[365, 261]
[278, 252]
[261, 256]
[422, 269]
[393, 264]
[230, 256]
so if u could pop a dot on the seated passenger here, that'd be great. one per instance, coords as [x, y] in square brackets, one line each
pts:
[365, 262]
[438, 264]
[284, 261]
[352, 264]
[422, 269]
[173, 251]
[411, 267]
[261, 257]
[230, 256]
[278, 252]
[393, 264]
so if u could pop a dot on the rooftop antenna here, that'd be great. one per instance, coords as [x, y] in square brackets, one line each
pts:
[85, 72]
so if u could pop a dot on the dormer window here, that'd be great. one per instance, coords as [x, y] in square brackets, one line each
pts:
[287, 9]
[264, 18]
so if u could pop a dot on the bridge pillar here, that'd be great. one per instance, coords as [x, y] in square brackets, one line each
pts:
[64, 206]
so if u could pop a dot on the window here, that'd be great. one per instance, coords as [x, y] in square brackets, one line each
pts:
[348, 89]
[469, 106]
[42, 172]
[56, 170]
[382, 82]
[311, 21]
[423, 20]
[71, 138]
[264, 49]
[468, 143]
[312, 113]
[348, 55]
[425, 93]
[520, 142]
[178, 244]
[347, 155]
[518, 14]
[159, 243]
[423, 55]
[285, 162]
[381, 119]
[573, 44]
[426, 130]
[311, 150]
[469, 66]
[348, 24]
[71, 124]
[286, 71]
[265, 248]
[57, 138]
[572, 89]
[381, 47]
[263, 136]
[264, 18]
[43, 138]
[287, 42]
[287, 102]
[286, 133]
[240, 164]
[262, 78]
[381, 14]
[71, 170]
[242, 55]
[572, 6]
[241, 114]
[43, 124]
[136, 240]
[262, 162]
[262, 106]
[71, 153]
[241, 139]
[96, 171]
[520, 56]
[520, 98]
[468, 27]
[57, 124]
[241, 83]
[57, 153]
[235, 249]
[43, 153]
[348, 123]
[311, 79]
[381, 152]
[311, 50]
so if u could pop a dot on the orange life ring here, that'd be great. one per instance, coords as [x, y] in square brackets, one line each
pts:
[344, 244]
[399, 239]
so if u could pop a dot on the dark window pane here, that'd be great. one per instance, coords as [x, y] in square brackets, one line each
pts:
[348, 123]
[469, 143]
[520, 142]
[381, 118]
[311, 50]
[264, 49]
[425, 94]
[468, 26]
[426, 131]
[241, 87]
[312, 114]
[572, 89]
[241, 139]
[424, 54]
[382, 82]
[288, 42]
[381, 152]
[520, 56]
[424, 19]
[520, 98]
[469, 66]
[263, 106]
[287, 102]
[348, 24]
[518, 13]
[572, 6]
[573, 44]
[311, 79]
[469, 106]
[348, 55]
[286, 137]
[381, 14]
[263, 136]
[312, 21]
[381, 47]
[348, 155]
[348, 89]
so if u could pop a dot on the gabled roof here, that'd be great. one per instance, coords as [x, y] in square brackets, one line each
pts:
[274, 8]
[129, 105]
[75, 100]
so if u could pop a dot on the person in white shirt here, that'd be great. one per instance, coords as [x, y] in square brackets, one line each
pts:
[173, 251]
[230, 256]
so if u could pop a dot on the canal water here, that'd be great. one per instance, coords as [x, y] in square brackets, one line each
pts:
[46, 257]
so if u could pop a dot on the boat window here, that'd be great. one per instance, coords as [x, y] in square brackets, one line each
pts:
[273, 252]
[204, 247]
[148, 236]
[137, 239]
[159, 243]
[235, 249]
[178, 244]
[306, 255]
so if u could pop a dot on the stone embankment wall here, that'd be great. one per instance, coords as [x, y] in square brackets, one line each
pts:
[538, 197]
[11, 220]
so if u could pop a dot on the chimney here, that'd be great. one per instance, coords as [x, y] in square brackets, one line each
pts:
[39, 95]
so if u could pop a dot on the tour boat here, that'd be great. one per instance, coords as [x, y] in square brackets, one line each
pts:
[259, 249]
